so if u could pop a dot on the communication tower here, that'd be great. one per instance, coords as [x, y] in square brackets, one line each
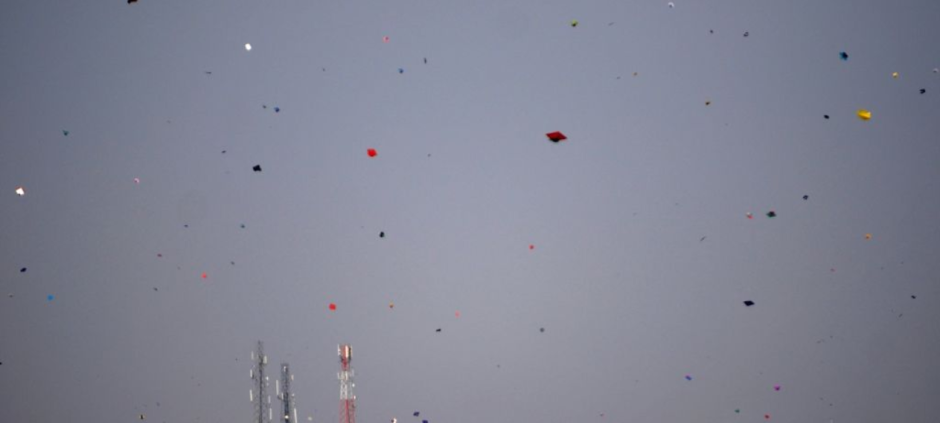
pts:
[284, 393]
[258, 394]
[347, 399]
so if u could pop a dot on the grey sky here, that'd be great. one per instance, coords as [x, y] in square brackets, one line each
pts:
[630, 298]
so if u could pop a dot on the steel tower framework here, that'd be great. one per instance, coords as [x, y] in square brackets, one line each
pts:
[258, 394]
[347, 399]
[284, 393]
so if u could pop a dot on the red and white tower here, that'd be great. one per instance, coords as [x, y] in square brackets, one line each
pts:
[347, 399]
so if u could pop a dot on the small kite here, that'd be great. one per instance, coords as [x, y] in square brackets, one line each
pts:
[65, 132]
[256, 168]
[894, 75]
[868, 237]
[864, 114]
[129, 2]
[371, 152]
[20, 191]
[332, 307]
[771, 214]
[748, 303]
[574, 23]
[556, 136]
[844, 56]
[247, 47]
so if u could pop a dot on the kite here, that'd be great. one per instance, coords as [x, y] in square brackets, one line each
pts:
[574, 23]
[257, 168]
[50, 297]
[844, 56]
[894, 75]
[868, 236]
[401, 70]
[20, 191]
[332, 307]
[129, 2]
[825, 116]
[776, 387]
[416, 413]
[381, 234]
[277, 109]
[864, 114]
[805, 197]
[247, 47]
[385, 39]
[922, 90]
[64, 132]
[542, 330]
[671, 5]
[23, 270]
[556, 136]
[137, 181]
[771, 214]
[748, 303]
[688, 377]
[371, 152]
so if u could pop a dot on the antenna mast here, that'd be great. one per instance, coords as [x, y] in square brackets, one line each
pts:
[258, 394]
[347, 399]
[286, 395]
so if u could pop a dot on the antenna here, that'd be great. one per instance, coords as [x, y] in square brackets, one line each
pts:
[286, 396]
[347, 399]
[258, 394]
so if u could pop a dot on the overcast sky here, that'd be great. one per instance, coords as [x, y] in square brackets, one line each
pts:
[642, 252]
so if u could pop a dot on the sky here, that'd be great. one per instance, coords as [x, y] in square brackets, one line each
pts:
[146, 257]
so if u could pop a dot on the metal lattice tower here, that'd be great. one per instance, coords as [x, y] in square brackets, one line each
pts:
[284, 393]
[258, 394]
[347, 399]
